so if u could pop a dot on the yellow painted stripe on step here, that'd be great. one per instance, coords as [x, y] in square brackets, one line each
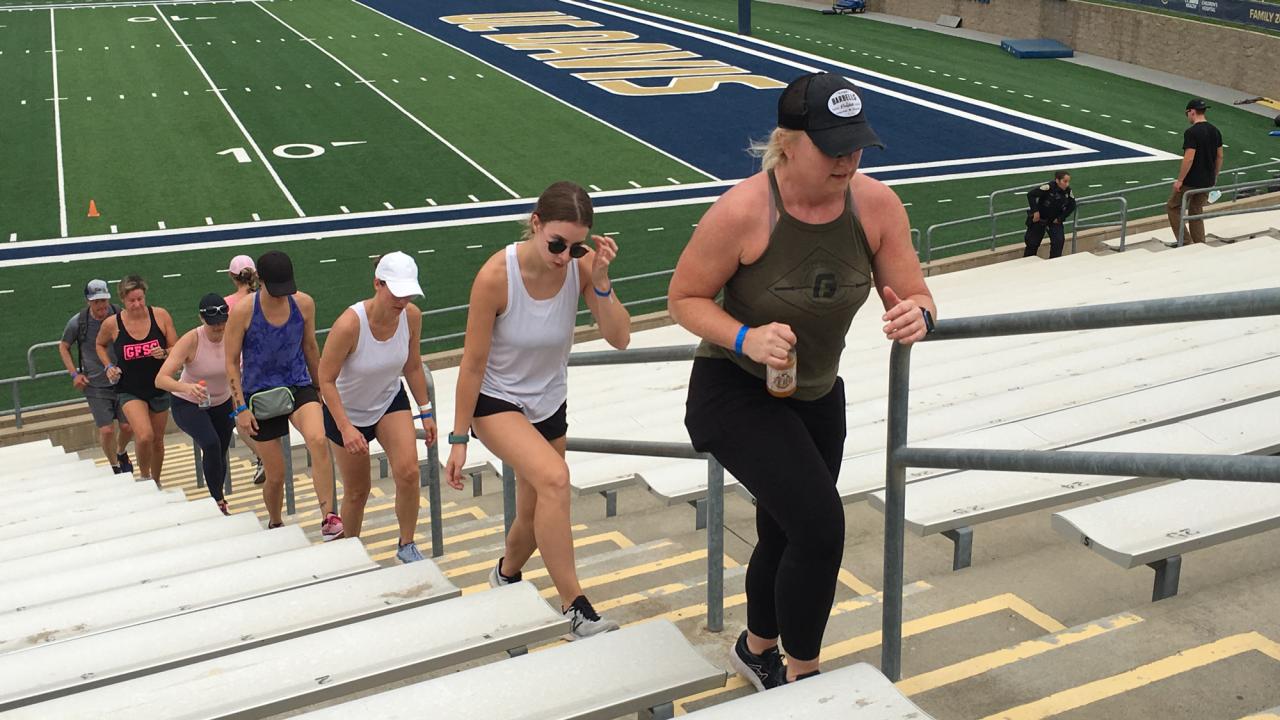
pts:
[632, 598]
[624, 574]
[854, 584]
[472, 512]
[473, 535]
[616, 538]
[1007, 601]
[1007, 656]
[577, 542]
[1272, 714]
[1138, 677]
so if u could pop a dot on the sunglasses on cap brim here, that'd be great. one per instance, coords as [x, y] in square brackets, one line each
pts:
[558, 245]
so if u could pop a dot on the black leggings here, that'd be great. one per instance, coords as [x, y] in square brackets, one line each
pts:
[787, 452]
[210, 429]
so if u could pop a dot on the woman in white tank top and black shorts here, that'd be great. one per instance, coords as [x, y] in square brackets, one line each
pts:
[373, 344]
[512, 382]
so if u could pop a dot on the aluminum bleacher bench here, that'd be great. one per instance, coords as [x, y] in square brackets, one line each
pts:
[856, 692]
[101, 528]
[190, 591]
[93, 498]
[17, 524]
[20, 476]
[77, 579]
[1157, 526]
[331, 663]
[952, 504]
[35, 446]
[133, 548]
[648, 665]
[57, 669]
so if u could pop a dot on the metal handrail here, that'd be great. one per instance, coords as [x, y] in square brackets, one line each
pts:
[900, 456]
[1234, 188]
[1076, 225]
[715, 472]
[991, 201]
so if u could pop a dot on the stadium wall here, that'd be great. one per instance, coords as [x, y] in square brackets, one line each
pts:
[1231, 57]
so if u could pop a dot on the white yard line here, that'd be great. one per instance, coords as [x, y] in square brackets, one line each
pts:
[57, 128]
[413, 118]
[243, 130]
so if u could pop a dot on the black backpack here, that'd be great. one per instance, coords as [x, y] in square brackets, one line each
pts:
[82, 333]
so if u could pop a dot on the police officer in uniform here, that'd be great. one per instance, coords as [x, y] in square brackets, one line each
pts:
[1050, 204]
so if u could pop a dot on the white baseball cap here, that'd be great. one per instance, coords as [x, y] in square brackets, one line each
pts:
[400, 273]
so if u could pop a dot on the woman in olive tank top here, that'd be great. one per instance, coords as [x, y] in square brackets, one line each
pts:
[796, 250]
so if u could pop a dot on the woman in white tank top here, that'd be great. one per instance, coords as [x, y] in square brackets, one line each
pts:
[374, 344]
[511, 383]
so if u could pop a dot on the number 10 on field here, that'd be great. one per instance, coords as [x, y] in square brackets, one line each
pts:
[289, 151]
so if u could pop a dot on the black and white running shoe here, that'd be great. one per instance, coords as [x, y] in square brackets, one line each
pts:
[764, 671]
[497, 579]
[584, 621]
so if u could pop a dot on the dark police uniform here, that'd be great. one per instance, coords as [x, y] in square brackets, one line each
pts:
[1054, 205]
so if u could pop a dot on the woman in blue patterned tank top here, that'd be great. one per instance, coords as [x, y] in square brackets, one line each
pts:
[270, 344]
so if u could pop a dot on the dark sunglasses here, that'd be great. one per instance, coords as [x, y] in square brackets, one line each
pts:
[214, 310]
[558, 245]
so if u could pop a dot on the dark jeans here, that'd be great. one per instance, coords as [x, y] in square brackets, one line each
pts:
[1035, 234]
[787, 453]
[210, 429]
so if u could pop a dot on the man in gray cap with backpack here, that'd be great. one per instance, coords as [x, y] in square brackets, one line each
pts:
[89, 377]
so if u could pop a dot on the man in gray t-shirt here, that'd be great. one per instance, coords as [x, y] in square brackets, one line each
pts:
[90, 377]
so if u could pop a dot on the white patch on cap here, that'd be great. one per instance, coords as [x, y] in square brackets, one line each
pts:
[844, 103]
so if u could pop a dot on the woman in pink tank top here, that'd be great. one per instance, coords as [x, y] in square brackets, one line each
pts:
[201, 398]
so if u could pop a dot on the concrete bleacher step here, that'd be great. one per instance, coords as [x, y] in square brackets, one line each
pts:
[27, 477]
[49, 671]
[18, 468]
[855, 692]
[107, 527]
[330, 663]
[953, 502]
[177, 594]
[93, 498]
[39, 587]
[32, 446]
[18, 525]
[649, 665]
[1155, 527]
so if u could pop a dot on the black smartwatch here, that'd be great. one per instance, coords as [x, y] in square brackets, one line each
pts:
[928, 321]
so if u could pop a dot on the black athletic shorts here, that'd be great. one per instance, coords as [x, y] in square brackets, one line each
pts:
[278, 427]
[552, 428]
[331, 431]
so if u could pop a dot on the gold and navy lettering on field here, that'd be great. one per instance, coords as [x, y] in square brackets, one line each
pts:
[609, 59]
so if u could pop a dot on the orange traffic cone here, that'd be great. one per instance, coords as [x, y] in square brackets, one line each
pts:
[93, 209]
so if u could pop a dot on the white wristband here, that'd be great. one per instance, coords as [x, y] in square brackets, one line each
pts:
[425, 408]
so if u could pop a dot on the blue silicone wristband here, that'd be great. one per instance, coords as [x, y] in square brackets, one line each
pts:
[742, 335]
[238, 410]
[424, 416]
[604, 294]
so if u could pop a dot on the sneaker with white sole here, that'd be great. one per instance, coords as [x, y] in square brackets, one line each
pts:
[764, 671]
[497, 579]
[584, 621]
[409, 553]
[259, 473]
[122, 461]
[331, 528]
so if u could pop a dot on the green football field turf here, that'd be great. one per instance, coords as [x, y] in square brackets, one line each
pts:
[321, 107]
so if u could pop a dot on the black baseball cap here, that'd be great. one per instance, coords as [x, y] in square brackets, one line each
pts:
[275, 270]
[1197, 104]
[213, 309]
[828, 107]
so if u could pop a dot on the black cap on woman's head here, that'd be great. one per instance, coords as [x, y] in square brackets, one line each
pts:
[213, 309]
[828, 107]
[275, 270]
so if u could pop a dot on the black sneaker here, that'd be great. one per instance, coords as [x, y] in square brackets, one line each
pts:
[259, 473]
[765, 671]
[122, 461]
[584, 621]
[804, 676]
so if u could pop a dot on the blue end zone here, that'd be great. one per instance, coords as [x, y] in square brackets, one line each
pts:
[930, 134]
[1036, 48]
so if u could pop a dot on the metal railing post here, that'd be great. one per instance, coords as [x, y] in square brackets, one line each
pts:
[199, 460]
[508, 497]
[715, 545]
[17, 405]
[895, 513]
[1182, 218]
[432, 480]
[290, 504]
